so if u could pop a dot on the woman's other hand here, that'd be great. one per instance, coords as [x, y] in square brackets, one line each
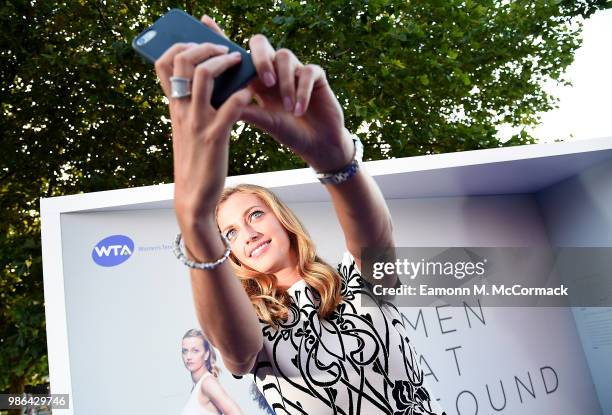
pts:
[296, 106]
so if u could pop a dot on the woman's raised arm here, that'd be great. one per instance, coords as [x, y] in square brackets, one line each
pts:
[363, 214]
[297, 107]
[200, 144]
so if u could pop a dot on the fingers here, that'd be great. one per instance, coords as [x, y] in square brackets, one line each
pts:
[180, 60]
[296, 82]
[186, 61]
[307, 77]
[204, 78]
[262, 54]
[286, 63]
[208, 21]
[201, 64]
[164, 66]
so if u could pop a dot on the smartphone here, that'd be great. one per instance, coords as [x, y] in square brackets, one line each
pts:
[177, 26]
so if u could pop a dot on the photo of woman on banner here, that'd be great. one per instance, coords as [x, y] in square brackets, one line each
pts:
[272, 307]
[207, 395]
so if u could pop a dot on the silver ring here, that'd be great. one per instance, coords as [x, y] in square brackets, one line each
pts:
[180, 87]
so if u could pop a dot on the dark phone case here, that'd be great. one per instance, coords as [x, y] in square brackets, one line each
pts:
[177, 26]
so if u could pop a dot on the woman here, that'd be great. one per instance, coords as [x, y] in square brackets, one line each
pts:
[275, 309]
[207, 395]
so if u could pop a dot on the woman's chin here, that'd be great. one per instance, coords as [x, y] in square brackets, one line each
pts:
[259, 264]
[268, 263]
[192, 368]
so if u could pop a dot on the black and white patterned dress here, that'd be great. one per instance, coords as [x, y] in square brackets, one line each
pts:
[359, 361]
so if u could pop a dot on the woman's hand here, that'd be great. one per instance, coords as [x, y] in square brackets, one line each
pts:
[296, 106]
[200, 134]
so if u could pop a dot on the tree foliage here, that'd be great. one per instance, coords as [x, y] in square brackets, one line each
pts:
[82, 113]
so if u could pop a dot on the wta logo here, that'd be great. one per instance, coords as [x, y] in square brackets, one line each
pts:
[112, 250]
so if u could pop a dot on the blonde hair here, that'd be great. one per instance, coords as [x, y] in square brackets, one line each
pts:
[211, 361]
[270, 302]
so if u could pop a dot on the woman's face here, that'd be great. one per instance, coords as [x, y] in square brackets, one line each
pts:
[194, 354]
[256, 236]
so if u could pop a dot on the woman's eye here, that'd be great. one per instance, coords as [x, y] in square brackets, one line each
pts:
[228, 235]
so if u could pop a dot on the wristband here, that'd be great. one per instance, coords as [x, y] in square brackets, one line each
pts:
[347, 171]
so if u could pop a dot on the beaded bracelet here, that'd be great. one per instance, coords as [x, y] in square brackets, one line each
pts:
[200, 265]
[347, 171]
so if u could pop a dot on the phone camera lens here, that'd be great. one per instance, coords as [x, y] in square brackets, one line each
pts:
[146, 37]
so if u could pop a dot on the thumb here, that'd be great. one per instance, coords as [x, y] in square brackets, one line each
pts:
[208, 21]
[254, 114]
[230, 111]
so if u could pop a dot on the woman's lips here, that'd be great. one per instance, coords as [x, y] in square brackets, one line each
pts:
[260, 250]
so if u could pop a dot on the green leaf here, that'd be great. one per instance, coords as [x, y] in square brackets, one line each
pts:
[424, 79]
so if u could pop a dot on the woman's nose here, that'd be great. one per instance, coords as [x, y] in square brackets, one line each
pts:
[251, 232]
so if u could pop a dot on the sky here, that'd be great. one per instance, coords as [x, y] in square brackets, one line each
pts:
[585, 108]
